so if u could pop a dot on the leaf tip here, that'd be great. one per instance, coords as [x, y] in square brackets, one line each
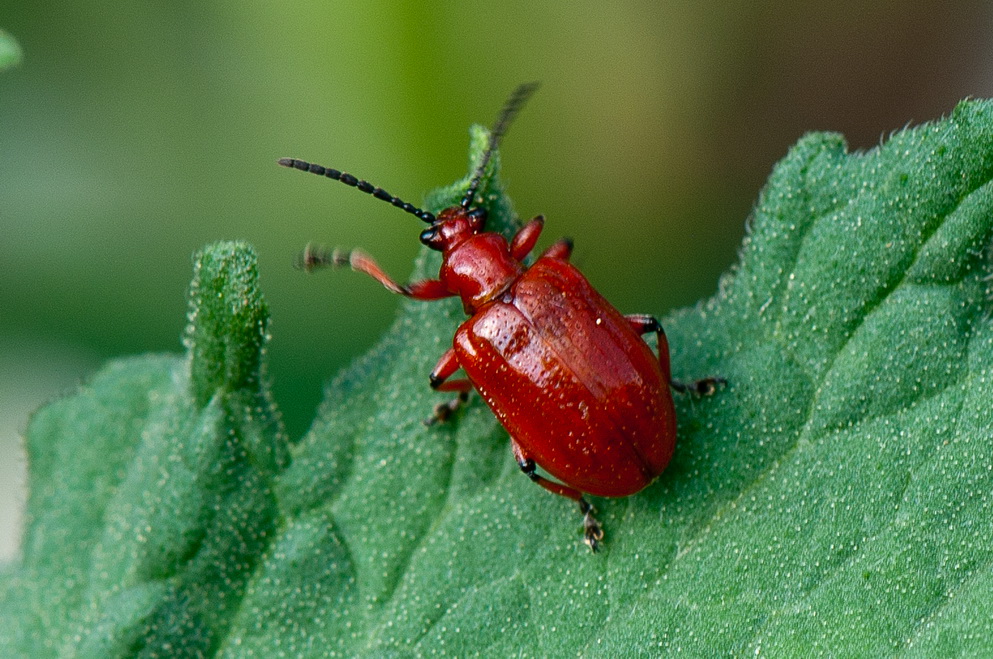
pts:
[228, 320]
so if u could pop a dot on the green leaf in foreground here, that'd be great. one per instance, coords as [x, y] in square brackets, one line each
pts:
[835, 497]
[152, 489]
[10, 51]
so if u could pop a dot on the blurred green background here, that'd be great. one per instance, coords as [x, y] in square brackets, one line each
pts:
[135, 132]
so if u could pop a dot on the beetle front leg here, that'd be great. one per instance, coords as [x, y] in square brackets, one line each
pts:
[643, 324]
[315, 258]
[592, 531]
[446, 367]
[525, 239]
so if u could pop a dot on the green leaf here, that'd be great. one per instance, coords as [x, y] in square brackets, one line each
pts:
[835, 497]
[10, 51]
[152, 493]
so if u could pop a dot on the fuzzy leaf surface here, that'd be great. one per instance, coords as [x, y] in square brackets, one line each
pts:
[834, 498]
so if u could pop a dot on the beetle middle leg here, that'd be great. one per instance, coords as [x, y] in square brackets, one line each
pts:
[592, 531]
[643, 324]
[561, 249]
[445, 368]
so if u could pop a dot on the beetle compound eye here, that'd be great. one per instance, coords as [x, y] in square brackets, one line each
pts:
[478, 216]
[430, 237]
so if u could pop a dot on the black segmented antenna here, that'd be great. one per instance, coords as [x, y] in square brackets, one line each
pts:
[364, 186]
[510, 109]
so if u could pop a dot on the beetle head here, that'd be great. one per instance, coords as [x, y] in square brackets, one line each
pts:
[453, 226]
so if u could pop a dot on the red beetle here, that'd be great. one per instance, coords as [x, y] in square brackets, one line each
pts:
[569, 377]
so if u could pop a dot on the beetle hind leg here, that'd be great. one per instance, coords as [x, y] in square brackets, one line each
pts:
[592, 531]
[643, 324]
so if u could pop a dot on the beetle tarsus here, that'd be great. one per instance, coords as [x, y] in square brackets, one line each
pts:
[592, 531]
[444, 411]
[314, 257]
[700, 388]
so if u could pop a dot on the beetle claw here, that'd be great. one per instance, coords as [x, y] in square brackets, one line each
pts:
[444, 411]
[592, 531]
[699, 388]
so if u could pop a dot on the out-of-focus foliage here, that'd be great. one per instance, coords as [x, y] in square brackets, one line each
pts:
[10, 52]
[132, 134]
